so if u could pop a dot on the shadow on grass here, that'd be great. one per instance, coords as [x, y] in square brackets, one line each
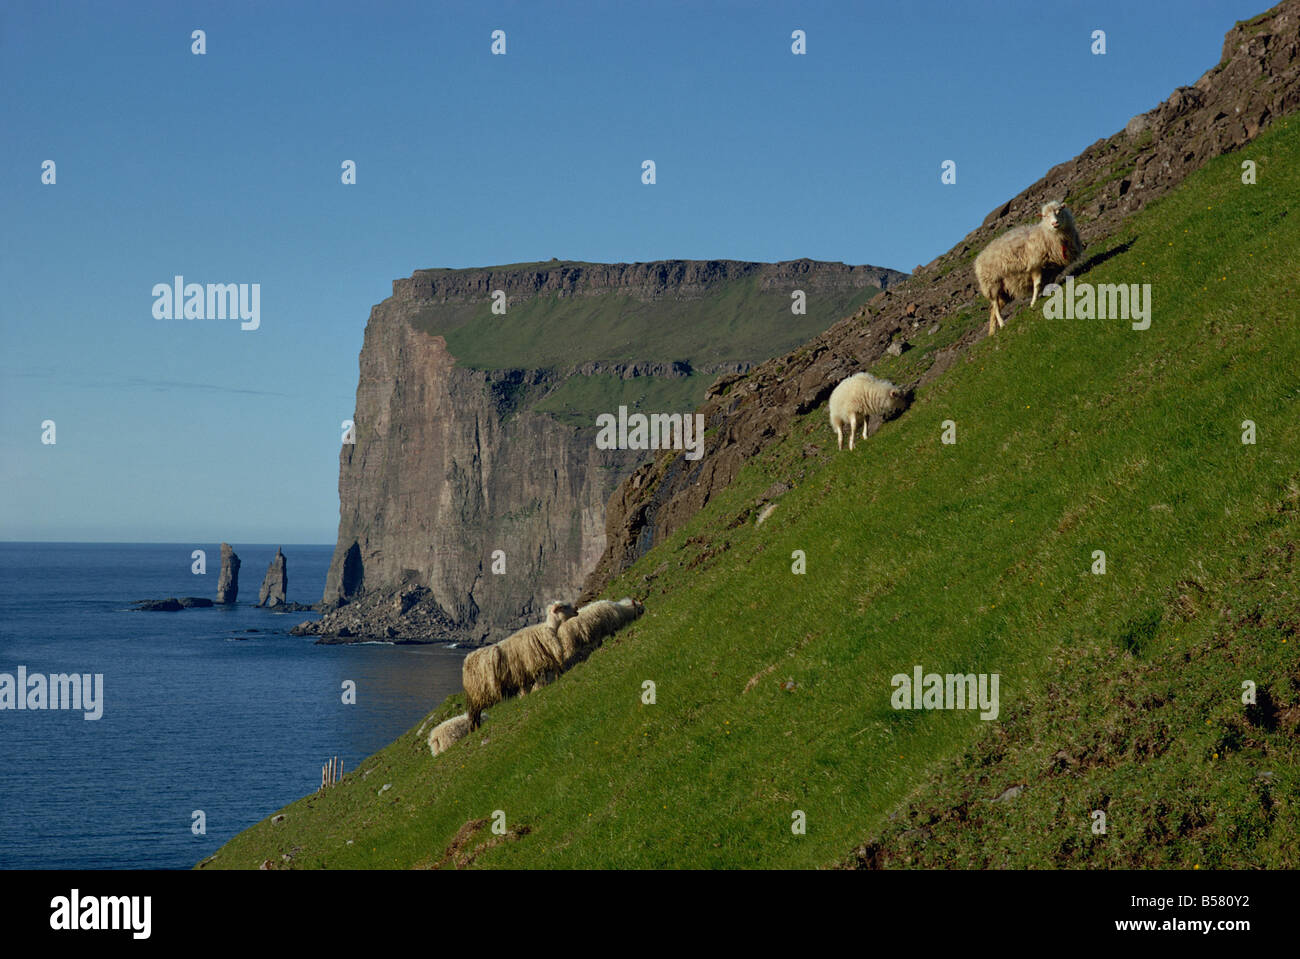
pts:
[1095, 261]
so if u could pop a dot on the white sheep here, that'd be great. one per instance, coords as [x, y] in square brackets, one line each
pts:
[858, 398]
[1012, 265]
[595, 621]
[520, 662]
[446, 733]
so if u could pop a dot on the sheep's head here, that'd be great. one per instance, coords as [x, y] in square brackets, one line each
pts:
[637, 606]
[1056, 215]
[557, 613]
[900, 399]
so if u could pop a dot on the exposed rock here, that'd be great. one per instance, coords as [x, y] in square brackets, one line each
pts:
[191, 602]
[1138, 125]
[228, 582]
[169, 605]
[775, 490]
[1257, 80]
[276, 583]
[402, 614]
[296, 607]
[668, 371]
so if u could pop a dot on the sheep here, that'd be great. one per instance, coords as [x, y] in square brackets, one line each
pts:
[1013, 264]
[529, 658]
[445, 733]
[859, 397]
[481, 675]
[551, 638]
[595, 621]
[521, 661]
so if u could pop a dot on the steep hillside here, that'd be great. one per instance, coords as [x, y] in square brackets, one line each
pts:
[475, 491]
[1119, 692]
[937, 314]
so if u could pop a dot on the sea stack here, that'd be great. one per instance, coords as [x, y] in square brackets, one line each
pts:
[228, 583]
[276, 583]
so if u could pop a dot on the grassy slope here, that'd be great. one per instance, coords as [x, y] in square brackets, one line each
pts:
[578, 396]
[739, 322]
[1072, 436]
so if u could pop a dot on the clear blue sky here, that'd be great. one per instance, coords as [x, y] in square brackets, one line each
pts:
[225, 168]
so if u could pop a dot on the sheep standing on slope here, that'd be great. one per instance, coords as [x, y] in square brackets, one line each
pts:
[1012, 265]
[516, 664]
[481, 674]
[445, 733]
[858, 398]
[595, 621]
[530, 655]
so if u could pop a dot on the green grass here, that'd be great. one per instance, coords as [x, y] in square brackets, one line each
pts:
[737, 322]
[1119, 692]
[579, 397]
[909, 366]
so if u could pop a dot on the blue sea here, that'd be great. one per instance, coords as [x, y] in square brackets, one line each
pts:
[218, 710]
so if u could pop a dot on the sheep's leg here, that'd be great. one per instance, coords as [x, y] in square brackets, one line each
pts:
[853, 428]
[1038, 285]
[839, 436]
[865, 421]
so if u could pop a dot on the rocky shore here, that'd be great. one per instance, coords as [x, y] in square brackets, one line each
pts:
[403, 614]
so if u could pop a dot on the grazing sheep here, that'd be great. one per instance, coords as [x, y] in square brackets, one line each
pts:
[858, 398]
[520, 662]
[448, 732]
[551, 638]
[595, 621]
[481, 675]
[529, 661]
[1012, 265]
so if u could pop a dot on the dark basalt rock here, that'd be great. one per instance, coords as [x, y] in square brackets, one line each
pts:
[169, 605]
[276, 583]
[228, 583]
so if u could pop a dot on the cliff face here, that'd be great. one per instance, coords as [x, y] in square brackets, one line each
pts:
[1256, 81]
[442, 475]
[452, 463]
[690, 279]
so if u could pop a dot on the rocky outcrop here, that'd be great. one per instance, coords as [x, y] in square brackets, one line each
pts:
[228, 581]
[169, 605]
[1256, 81]
[674, 370]
[400, 614]
[276, 582]
[172, 605]
[458, 486]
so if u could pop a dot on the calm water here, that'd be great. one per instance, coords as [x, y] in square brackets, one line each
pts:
[194, 717]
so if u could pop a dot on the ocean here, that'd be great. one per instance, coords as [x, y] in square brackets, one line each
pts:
[215, 710]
